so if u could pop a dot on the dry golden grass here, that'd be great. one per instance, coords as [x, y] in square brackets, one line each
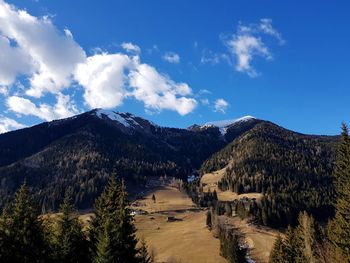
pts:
[167, 199]
[188, 239]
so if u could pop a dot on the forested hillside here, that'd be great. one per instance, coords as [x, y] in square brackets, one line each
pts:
[78, 154]
[293, 171]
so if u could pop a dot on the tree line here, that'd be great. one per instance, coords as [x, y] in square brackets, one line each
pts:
[26, 236]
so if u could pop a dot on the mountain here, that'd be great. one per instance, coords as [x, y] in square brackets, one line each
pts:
[78, 154]
[292, 170]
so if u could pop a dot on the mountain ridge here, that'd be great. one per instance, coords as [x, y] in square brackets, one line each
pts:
[79, 153]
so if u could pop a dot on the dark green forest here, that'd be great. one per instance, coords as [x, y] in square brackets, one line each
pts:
[293, 171]
[311, 242]
[25, 236]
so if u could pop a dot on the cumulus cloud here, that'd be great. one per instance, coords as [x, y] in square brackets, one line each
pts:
[62, 109]
[51, 61]
[130, 47]
[7, 124]
[159, 92]
[171, 57]
[108, 79]
[52, 54]
[221, 105]
[248, 43]
[103, 79]
[13, 61]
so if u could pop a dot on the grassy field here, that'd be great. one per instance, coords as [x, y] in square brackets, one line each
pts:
[185, 239]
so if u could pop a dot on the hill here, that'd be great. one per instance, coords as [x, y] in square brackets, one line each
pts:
[293, 171]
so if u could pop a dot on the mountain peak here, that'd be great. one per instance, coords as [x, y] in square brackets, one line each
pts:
[224, 124]
[126, 119]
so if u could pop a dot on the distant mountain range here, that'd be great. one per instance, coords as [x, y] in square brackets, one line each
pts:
[78, 154]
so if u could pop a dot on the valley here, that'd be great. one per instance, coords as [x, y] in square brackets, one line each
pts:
[175, 229]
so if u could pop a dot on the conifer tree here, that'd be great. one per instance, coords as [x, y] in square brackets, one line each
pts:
[339, 228]
[306, 240]
[112, 232]
[278, 252]
[143, 254]
[22, 231]
[291, 245]
[208, 221]
[126, 229]
[5, 241]
[69, 241]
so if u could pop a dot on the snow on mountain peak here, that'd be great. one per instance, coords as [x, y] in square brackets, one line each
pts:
[224, 124]
[126, 119]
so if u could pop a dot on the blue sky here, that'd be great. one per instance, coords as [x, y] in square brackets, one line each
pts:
[177, 62]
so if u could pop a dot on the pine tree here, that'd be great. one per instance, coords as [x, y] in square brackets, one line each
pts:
[278, 252]
[104, 249]
[305, 235]
[126, 229]
[339, 229]
[69, 241]
[112, 232]
[5, 241]
[208, 221]
[22, 231]
[143, 253]
[292, 246]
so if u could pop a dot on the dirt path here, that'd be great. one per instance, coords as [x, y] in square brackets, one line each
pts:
[185, 238]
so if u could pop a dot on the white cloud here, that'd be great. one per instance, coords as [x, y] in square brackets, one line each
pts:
[267, 28]
[171, 57]
[62, 109]
[248, 42]
[53, 54]
[103, 79]
[13, 61]
[221, 105]
[4, 90]
[7, 124]
[204, 91]
[130, 47]
[108, 79]
[205, 102]
[209, 57]
[52, 61]
[159, 92]
[244, 48]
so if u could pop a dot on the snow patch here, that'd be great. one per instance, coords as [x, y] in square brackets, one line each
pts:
[224, 124]
[125, 119]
